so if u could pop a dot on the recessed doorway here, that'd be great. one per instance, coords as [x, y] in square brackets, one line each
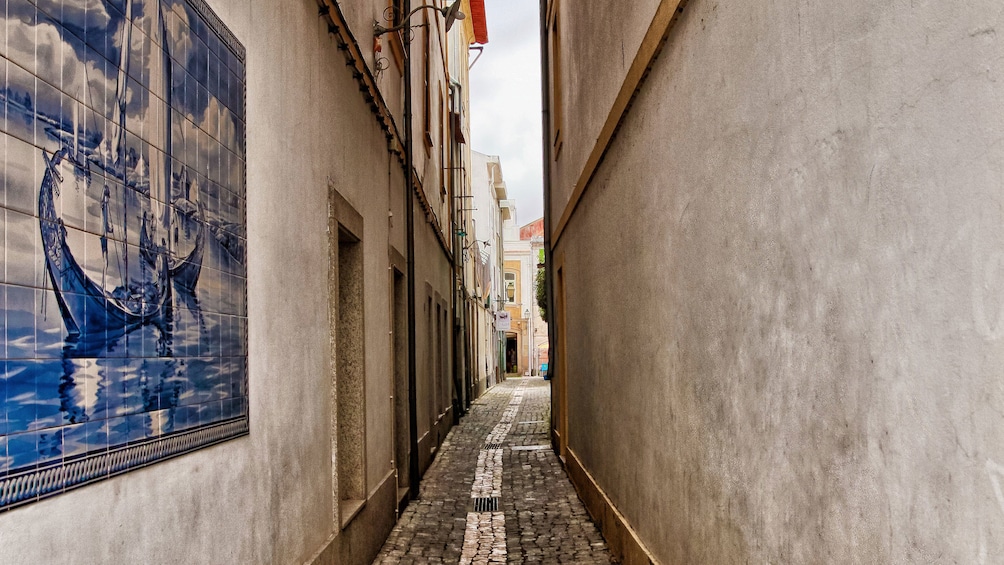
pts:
[511, 354]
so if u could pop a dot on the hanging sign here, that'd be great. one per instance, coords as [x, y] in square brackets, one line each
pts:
[503, 322]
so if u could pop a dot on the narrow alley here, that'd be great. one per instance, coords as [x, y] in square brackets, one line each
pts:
[497, 492]
[281, 282]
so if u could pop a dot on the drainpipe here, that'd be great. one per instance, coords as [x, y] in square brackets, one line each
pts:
[458, 250]
[545, 98]
[409, 213]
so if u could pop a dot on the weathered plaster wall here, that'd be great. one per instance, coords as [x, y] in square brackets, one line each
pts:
[265, 498]
[360, 15]
[433, 279]
[597, 46]
[801, 219]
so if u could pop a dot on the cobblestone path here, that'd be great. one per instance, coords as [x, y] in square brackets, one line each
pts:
[496, 493]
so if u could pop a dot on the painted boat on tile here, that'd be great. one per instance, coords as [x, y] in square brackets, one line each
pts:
[86, 307]
[136, 288]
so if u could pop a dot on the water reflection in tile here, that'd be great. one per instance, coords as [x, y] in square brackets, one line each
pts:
[48, 326]
[22, 450]
[5, 461]
[96, 434]
[50, 444]
[74, 440]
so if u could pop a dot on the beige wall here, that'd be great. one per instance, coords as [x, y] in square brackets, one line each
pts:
[800, 219]
[270, 497]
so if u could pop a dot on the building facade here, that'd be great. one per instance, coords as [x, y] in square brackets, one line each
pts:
[470, 361]
[526, 341]
[216, 368]
[484, 254]
[795, 207]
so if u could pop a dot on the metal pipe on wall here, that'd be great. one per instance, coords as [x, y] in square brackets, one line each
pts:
[545, 96]
[409, 213]
[460, 400]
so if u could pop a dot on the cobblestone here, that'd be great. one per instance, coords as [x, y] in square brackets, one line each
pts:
[499, 450]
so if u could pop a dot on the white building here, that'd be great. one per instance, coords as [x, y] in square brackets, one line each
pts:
[483, 257]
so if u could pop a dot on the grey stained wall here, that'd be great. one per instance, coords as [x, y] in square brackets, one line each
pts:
[803, 210]
[597, 41]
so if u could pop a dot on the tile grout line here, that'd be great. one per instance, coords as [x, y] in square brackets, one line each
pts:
[484, 535]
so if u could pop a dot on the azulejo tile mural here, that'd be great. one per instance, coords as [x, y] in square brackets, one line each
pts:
[123, 305]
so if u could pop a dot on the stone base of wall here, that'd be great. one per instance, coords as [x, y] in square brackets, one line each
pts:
[429, 444]
[621, 537]
[361, 539]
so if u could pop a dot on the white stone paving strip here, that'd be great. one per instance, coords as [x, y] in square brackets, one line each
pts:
[488, 476]
[484, 536]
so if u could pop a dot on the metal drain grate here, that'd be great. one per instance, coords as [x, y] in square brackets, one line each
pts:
[493, 446]
[486, 504]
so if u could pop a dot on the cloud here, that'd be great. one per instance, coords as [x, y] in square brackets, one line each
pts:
[505, 100]
[86, 14]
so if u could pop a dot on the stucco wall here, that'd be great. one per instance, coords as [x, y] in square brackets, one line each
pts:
[432, 276]
[801, 221]
[265, 498]
[597, 45]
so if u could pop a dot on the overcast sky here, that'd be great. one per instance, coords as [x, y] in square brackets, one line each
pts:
[505, 101]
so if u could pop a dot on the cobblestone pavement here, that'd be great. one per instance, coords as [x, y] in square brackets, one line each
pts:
[496, 492]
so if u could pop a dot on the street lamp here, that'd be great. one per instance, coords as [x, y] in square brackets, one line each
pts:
[511, 292]
[452, 13]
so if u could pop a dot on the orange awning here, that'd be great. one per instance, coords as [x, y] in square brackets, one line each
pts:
[479, 20]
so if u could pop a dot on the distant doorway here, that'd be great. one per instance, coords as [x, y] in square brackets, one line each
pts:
[511, 355]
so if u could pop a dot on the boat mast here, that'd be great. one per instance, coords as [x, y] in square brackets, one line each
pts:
[76, 135]
[121, 90]
[167, 78]
[120, 93]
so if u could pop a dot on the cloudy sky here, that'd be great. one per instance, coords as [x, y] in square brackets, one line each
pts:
[505, 101]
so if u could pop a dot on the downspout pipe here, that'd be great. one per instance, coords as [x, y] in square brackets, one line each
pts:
[460, 298]
[458, 285]
[409, 213]
[545, 104]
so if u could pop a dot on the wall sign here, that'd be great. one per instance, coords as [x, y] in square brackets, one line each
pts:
[123, 304]
[503, 322]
